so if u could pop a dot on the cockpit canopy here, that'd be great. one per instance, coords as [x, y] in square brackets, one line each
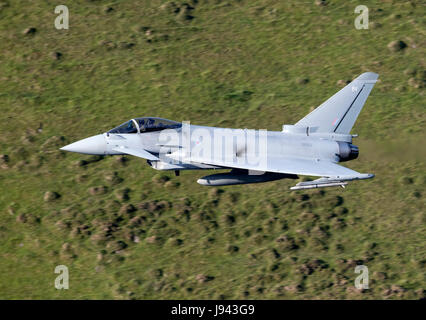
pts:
[127, 127]
[147, 124]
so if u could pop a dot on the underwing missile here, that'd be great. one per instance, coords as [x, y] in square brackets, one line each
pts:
[320, 185]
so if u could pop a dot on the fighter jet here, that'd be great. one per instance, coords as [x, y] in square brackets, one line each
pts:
[311, 147]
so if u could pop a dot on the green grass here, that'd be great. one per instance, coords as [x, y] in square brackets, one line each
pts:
[236, 64]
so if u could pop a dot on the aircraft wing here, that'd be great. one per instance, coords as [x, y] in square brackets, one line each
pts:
[308, 167]
[141, 153]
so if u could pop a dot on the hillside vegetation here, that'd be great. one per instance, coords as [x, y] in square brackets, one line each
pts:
[126, 231]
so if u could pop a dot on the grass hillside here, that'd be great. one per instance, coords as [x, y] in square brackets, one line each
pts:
[126, 231]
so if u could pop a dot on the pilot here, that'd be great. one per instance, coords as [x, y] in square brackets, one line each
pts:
[142, 125]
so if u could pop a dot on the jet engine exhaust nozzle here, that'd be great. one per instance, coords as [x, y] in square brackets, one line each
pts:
[347, 151]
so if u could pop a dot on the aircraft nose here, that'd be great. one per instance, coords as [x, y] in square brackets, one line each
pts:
[92, 145]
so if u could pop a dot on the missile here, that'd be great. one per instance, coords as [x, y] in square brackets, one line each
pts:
[319, 185]
[339, 181]
[241, 177]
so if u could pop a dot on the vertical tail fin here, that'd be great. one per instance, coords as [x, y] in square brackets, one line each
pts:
[339, 113]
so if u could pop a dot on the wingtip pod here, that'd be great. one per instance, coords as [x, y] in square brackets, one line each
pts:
[362, 176]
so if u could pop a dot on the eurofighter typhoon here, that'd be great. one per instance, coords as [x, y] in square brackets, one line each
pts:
[312, 147]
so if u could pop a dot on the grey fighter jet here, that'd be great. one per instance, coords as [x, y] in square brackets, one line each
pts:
[312, 147]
